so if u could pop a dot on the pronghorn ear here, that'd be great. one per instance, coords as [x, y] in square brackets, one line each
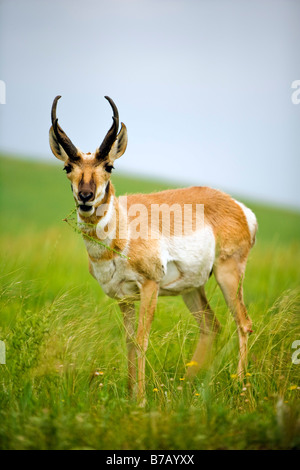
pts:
[119, 145]
[56, 148]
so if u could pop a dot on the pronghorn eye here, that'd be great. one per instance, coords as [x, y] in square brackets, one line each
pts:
[68, 169]
[108, 168]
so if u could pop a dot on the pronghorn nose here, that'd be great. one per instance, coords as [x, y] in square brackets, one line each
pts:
[85, 196]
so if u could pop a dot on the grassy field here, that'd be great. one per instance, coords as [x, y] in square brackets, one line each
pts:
[64, 382]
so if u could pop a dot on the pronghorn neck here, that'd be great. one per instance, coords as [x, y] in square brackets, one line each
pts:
[105, 228]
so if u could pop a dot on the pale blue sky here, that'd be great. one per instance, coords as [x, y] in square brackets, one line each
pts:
[204, 87]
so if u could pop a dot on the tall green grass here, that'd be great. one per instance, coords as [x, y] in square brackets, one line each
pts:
[64, 382]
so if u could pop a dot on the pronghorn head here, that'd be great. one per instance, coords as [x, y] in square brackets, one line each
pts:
[89, 173]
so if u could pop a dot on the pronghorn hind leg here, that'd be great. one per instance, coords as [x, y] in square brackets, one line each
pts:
[229, 274]
[149, 293]
[209, 325]
[128, 310]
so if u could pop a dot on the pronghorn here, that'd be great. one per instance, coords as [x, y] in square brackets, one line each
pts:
[142, 268]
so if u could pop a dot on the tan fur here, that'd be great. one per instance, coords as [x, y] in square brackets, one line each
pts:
[221, 212]
[232, 238]
[233, 242]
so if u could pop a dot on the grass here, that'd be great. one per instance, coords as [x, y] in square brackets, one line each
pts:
[64, 382]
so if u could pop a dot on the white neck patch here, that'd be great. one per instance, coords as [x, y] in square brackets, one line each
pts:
[106, 219]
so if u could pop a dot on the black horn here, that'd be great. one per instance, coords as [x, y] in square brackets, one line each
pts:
[61, 137]
[111, 135]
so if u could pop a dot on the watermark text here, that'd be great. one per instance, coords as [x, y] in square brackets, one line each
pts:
[296, 94]
[2, 92]
[2, 353]
[296, 354]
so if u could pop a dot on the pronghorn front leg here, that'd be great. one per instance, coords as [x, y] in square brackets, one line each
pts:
[128, 310]
[149, 292]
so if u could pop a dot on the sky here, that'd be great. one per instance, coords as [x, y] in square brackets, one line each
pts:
[203, 86]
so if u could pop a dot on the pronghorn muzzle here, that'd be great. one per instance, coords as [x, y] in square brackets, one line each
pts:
[86, 194]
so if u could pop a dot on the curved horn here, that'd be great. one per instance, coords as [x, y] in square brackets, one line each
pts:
[62, 138]
[111, 135]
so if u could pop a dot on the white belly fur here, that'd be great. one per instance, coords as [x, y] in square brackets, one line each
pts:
[187, 263]
[116, 278]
